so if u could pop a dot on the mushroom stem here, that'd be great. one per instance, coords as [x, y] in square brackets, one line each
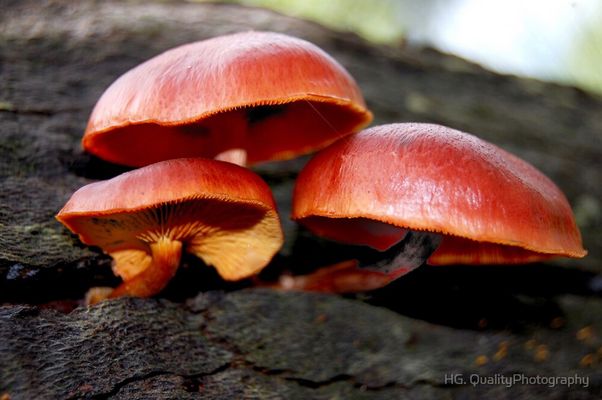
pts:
[234, 156]
[166, 255]
[408, 254]
[370, 271]
[232, 130]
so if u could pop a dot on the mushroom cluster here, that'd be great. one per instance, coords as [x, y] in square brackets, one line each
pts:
[244, 98]
[414, 193]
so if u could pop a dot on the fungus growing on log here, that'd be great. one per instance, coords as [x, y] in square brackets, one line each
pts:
[220, 212]
[247, 97]
[434, 194]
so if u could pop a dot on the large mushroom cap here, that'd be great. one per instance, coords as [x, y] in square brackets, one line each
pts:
[491, 206]
[272, 95]
[222, 213]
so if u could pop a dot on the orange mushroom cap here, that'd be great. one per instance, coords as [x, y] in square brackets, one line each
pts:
[491, 206]
[272, 95]
[220, 212]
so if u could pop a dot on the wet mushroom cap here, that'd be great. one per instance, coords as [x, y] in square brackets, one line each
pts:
[491, 206]
[273, 95]
[222, 213]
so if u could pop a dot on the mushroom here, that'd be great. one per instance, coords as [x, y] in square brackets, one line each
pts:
[403, 188]
[218, 211]
[247, 97]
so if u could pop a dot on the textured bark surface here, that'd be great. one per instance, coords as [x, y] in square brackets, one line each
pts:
[265, 344]
[56, 58]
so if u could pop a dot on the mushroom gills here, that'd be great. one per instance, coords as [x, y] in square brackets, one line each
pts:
[148, 260]
[259, 113]
[406, 255]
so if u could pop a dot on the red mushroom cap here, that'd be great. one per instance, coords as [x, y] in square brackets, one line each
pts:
[222, 213]
[491, 206]
[273, 95]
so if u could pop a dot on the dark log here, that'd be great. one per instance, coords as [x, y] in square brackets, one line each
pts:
[265, 344]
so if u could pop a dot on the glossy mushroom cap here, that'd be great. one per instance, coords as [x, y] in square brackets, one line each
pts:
[220, 212]
[272, 95]
[491, 206]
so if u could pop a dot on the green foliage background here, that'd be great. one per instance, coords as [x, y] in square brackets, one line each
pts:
[388, 22]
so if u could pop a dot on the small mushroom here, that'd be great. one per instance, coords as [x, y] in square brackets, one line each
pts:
[220, 212]
[403, 188]
[247, 97]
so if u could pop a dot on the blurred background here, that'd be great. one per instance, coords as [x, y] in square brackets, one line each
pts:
[552, 40]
